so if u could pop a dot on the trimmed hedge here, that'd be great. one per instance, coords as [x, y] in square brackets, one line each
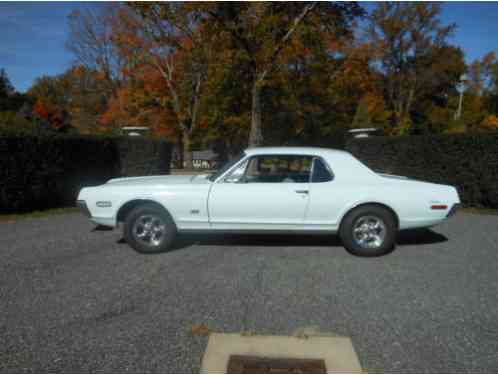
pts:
[467, 161]
[45, 172]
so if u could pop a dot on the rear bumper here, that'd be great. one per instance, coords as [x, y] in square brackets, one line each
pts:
[453, 209]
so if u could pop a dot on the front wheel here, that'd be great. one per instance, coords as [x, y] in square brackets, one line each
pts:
[149, 229]
[368, 230]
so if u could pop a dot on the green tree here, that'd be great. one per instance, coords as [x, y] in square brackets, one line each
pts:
[10, 100]
[265, 33]
[6, 88]
[410, 44]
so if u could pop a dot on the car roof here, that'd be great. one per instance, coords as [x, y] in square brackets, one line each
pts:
[295, 151]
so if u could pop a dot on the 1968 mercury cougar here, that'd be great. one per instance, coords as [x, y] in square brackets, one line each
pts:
[277, 189]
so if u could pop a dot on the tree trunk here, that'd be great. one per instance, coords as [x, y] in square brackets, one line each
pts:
[256, 135]
[187, 152]
[409, 101]
[179, 161]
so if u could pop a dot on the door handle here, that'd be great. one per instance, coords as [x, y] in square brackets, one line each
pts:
[302, 191]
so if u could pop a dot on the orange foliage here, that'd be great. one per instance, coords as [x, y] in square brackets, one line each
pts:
[489, 123]
[41, 109]
[49, 113]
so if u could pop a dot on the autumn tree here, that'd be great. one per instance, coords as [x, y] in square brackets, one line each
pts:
[87, 97]
[264, 31]
[408, 41]
[492, 92]
[141, 102]
[50, 102]
[168, 37]
[226, 105]
[75, 98]
[479, 75]
[479, 108]
[91, 42]
[361, 117]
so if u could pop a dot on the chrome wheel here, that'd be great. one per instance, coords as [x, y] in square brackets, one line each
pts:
[369, 232]
[149, 229]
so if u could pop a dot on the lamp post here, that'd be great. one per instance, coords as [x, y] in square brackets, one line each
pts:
[461, 89]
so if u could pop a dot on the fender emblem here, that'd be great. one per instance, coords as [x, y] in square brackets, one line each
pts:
[194, 212]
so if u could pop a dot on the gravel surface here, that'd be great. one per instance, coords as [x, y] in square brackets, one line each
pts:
[76, 299]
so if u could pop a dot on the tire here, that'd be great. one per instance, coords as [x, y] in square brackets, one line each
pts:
[149, 229]
[369, 230]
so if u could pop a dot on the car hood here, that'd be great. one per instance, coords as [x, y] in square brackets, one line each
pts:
[159, 180]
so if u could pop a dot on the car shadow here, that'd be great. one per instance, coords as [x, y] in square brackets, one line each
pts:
[101, 228]
[423, 236]
[268, 240]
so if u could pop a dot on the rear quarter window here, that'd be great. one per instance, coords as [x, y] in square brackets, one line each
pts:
[321, 172]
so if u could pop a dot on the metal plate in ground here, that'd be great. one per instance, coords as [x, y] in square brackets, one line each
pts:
[336, 352]
[247, 364]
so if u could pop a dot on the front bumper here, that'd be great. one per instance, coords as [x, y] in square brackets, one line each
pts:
[105, 221]
[83, 208]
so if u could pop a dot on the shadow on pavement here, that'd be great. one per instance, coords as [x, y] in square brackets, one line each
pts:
[423, 236]
[408, 237]
[102, 228]
[272, 240]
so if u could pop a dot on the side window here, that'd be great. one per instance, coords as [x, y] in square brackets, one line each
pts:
[320, 172]
[279, 169]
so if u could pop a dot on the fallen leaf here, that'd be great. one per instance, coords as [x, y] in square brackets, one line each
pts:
[200, 330]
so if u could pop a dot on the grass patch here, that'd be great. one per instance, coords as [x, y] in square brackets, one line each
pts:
[36, 214]
[479, 211]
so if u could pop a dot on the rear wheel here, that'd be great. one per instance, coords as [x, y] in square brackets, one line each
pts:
[368, 230]
[149, 229]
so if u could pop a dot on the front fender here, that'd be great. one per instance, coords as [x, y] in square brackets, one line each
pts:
[131, 203]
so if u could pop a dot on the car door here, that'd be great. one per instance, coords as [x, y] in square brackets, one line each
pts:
[266, 192]
[328, 197]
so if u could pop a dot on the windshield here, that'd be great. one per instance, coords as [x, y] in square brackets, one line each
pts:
[225, 167]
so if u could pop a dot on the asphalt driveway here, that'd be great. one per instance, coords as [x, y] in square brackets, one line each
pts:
[75, 299]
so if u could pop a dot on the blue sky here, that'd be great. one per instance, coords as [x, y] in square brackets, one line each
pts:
[33, 34]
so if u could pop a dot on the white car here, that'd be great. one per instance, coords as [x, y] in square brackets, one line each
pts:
[272, 189]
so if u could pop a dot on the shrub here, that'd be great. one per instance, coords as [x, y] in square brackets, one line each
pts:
[468, 161]
[39, 172]
[14, 125]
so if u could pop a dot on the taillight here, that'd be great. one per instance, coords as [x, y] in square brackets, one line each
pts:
[439, 207]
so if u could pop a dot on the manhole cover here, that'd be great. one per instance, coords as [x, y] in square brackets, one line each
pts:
[242, 364]
[235, 353]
